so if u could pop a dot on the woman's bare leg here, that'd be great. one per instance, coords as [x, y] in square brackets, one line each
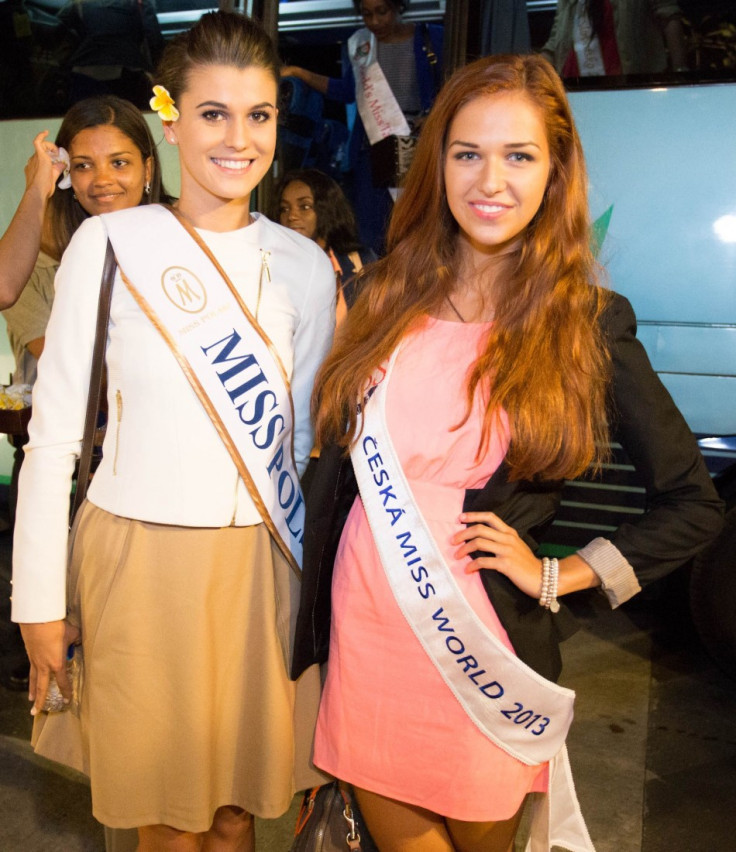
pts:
[398, 827]
[232, 830]
[485, 836]
[164, 838]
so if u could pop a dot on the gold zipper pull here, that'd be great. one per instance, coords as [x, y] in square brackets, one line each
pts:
[119, 407]
[265, 255]
[264, 268]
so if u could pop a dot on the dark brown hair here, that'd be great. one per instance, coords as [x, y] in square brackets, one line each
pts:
[545, 363]
[65, 214]
[218, 38]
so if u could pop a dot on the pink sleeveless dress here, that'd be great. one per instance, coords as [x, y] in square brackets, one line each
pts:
[387, 721]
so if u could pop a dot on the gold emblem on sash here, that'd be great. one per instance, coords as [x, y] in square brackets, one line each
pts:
[184, 290]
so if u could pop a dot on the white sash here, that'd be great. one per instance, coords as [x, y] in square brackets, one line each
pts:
[377, 105]
[226, 356]
[556, 819]
[511, 704]
[522, 712]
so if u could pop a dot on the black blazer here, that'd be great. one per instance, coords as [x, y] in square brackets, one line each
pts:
[683, 511]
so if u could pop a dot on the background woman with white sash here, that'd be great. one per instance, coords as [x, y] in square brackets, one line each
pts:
[182, 579]
[409, 57]
[496, 366]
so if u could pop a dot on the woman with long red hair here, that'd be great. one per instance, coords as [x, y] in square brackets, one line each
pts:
[481, 365]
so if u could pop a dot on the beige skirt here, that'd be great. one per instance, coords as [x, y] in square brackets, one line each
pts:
[186, 703]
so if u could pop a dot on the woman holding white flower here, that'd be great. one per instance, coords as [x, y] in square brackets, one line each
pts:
[184, 571]
[104, 159]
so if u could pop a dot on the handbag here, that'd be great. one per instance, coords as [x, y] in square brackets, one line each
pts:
[329, 821]
[94, 395]
[391, 158]
[75, 664]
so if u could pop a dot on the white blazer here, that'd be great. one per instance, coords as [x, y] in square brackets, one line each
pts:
[163, 460]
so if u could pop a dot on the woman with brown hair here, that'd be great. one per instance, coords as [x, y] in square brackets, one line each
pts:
[481, 364]
[183, 575]
[67, 210]
[47, 218]
[111, 164]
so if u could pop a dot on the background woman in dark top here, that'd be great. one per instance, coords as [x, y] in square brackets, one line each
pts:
[312, 203]
[410, 56]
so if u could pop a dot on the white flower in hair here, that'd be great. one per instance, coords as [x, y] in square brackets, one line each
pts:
[63, 157]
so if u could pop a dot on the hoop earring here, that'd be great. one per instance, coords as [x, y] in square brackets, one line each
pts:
[147, 187]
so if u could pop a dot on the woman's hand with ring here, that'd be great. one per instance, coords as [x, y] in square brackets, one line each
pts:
[46, 645]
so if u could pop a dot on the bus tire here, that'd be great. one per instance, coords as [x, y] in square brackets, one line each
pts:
[713, 596]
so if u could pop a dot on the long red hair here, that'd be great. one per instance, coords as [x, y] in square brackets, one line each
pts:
[545, 362]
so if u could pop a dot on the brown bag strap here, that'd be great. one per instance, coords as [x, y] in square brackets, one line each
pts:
[95, 379]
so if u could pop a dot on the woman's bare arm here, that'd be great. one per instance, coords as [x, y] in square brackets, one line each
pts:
[20, 244]
[311, 78]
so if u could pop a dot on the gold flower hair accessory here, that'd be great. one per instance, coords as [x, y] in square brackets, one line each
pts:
[163, 104]
[63, 157]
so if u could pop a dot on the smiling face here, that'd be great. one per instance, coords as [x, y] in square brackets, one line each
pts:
[497, 164]
[296, 209]
[226, 133]
[107, 169]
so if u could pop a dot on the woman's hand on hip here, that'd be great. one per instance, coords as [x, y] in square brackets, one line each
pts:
[46, 644]
[507, 552]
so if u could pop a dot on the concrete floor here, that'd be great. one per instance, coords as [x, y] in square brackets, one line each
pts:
[653, 745]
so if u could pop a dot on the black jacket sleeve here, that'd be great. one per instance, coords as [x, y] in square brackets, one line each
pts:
[329, 499]
[683, 511]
